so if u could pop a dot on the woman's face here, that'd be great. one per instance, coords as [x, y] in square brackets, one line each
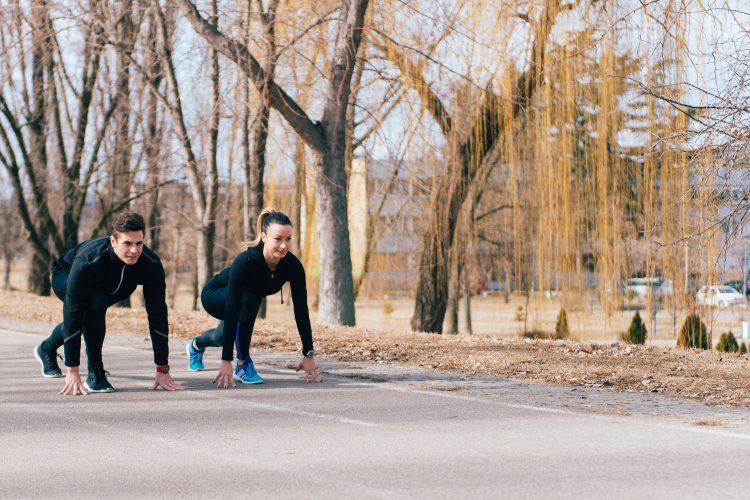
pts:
[276, 241]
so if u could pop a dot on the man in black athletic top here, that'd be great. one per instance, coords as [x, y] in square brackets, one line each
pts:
[90, 278]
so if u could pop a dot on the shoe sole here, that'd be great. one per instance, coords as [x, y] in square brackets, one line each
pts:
[238, 379]
[187, 351]
[39, 358]
[86, 386]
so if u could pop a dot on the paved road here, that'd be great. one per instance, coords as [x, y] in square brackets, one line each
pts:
[349, 437]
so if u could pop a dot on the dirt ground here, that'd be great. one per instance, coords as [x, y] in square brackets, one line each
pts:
[710, 377]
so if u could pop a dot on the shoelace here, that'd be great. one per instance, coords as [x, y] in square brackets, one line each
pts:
[195, 353]
[247, 366]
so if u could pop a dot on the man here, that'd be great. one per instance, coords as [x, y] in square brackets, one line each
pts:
[90, 278]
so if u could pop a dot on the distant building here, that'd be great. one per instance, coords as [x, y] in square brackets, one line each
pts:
[395, 197]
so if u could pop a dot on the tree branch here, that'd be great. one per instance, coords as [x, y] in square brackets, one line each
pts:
[236, 51]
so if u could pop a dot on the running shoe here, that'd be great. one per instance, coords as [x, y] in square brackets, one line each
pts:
[246, 373]
[195, 357]
[97, 381]
[50, 369]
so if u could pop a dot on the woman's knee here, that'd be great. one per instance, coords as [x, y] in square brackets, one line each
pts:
[213, 299]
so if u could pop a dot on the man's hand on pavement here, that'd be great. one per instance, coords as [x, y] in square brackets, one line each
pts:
[73, 384]
[166, 382]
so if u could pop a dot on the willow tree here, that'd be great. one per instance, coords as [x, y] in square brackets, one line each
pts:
[469, 147]
[326, 138]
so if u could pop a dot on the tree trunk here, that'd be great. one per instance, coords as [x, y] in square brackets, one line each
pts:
[432, 285]
[119, 168]
[450, 323]
[467, 302]
[39, 278]
[38, 281]
[6, 272]
[335, 258]
[152, 139]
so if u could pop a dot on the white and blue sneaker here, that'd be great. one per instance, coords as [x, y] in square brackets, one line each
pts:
[195, 357]
[246, 373]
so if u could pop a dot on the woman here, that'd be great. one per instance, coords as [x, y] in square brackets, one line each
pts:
[235, 294]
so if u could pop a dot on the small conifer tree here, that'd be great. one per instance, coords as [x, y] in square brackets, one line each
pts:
[637, 332]
[561, 327]
[727, 343]
[743, 348]
[693, 333]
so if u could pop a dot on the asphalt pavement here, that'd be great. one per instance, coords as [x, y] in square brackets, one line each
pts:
[367, 431]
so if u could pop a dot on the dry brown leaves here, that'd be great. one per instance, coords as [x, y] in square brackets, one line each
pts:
[708, 376]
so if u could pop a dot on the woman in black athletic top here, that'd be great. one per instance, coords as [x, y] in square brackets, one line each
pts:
[235, 294]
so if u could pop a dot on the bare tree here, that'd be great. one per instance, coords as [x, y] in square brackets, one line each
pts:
[39, 139]
[327, 140]
[11, 237]
[204, 183]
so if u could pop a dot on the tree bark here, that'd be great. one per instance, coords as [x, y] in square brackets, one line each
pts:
[152, 136]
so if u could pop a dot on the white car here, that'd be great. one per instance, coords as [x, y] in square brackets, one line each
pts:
[647, 288]
[720, 296]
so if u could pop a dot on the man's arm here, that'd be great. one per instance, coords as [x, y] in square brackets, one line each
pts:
[154, 296]
[75, 306]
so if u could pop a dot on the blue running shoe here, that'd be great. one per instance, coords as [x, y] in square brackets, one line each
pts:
[246, 373]
[195, 357]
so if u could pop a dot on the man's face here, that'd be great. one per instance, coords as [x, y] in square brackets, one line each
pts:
[127, 246]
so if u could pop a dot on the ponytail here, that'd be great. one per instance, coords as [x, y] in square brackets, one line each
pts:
[267, 217]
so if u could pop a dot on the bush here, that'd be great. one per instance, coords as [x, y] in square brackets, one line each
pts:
[637, 332]
[561, 327]
[693, 333]
[727, 343]
[743, 348]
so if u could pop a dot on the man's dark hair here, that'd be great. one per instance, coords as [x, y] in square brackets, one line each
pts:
[128, 221]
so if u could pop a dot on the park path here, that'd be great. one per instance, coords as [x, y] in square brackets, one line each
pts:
[368, 431]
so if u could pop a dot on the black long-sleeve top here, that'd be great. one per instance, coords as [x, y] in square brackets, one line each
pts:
[93, 264]
[250, 273]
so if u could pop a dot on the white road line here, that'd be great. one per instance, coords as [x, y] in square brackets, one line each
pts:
[541, 409]
[283, 409]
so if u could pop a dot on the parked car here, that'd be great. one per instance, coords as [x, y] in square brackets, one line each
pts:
[720, 296]
[739, 285]
[643, 288]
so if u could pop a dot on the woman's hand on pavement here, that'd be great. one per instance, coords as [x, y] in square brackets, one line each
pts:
[308, 364]
[225, 376]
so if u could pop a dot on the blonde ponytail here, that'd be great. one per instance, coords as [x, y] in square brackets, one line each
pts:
[267, 217]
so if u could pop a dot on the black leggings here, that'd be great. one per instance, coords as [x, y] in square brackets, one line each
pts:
[213, 299]
[94, 324]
